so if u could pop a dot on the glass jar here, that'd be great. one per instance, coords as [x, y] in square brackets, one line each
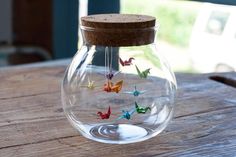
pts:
[118, 88]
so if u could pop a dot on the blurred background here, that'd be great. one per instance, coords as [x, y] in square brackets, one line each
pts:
[194, 36]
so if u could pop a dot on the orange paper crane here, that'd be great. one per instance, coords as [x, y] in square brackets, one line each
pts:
[110, 87]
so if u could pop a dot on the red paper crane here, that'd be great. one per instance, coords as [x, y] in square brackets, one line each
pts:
[126, 62]
[105, 115]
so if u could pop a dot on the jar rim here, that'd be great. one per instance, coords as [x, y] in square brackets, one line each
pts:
[86, 28]
[118, 21]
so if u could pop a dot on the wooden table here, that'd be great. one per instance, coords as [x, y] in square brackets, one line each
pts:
[32, 123]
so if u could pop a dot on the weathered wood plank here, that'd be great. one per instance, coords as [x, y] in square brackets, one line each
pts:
[32, 122]
[20, 83]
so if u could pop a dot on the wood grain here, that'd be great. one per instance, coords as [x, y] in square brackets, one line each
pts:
[32, 122]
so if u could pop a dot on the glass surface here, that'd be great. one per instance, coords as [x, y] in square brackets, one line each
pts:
[122, 106]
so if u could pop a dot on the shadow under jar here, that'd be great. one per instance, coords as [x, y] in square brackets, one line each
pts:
[118, 88]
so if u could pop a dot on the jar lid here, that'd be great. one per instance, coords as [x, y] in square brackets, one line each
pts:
[118, 29]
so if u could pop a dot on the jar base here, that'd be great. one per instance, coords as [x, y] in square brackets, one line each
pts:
[122, 133]
[119, 133]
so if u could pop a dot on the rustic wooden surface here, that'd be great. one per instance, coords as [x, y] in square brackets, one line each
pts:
[32, 123]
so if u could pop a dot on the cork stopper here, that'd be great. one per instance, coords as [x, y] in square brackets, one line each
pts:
[118, 29]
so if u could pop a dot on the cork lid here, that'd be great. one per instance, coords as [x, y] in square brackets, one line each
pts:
[118, 29]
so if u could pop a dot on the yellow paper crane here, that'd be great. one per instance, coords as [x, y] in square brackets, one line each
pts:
[90, 85]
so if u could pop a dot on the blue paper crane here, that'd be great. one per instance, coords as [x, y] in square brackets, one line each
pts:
[126, 114]
[135, 92]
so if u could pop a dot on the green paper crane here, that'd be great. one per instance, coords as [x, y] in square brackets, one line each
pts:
[140, 109]
[144, 73]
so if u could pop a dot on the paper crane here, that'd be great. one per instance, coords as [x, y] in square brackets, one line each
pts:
[110, 87]
[140, 109]
[126, 114]
[126, 62]
[105, 115]
[135, 92]
[144, 73]
[110, 75]
[90, 84]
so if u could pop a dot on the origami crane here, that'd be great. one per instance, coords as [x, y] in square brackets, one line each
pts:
[126, 114]
[110, 75]
[105, 115]
[90, 84]
[126, 62]
[140, 109]
[110, 87]
[144, 73]
[135, 92]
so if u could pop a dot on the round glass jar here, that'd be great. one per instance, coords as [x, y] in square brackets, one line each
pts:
[118, 88]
